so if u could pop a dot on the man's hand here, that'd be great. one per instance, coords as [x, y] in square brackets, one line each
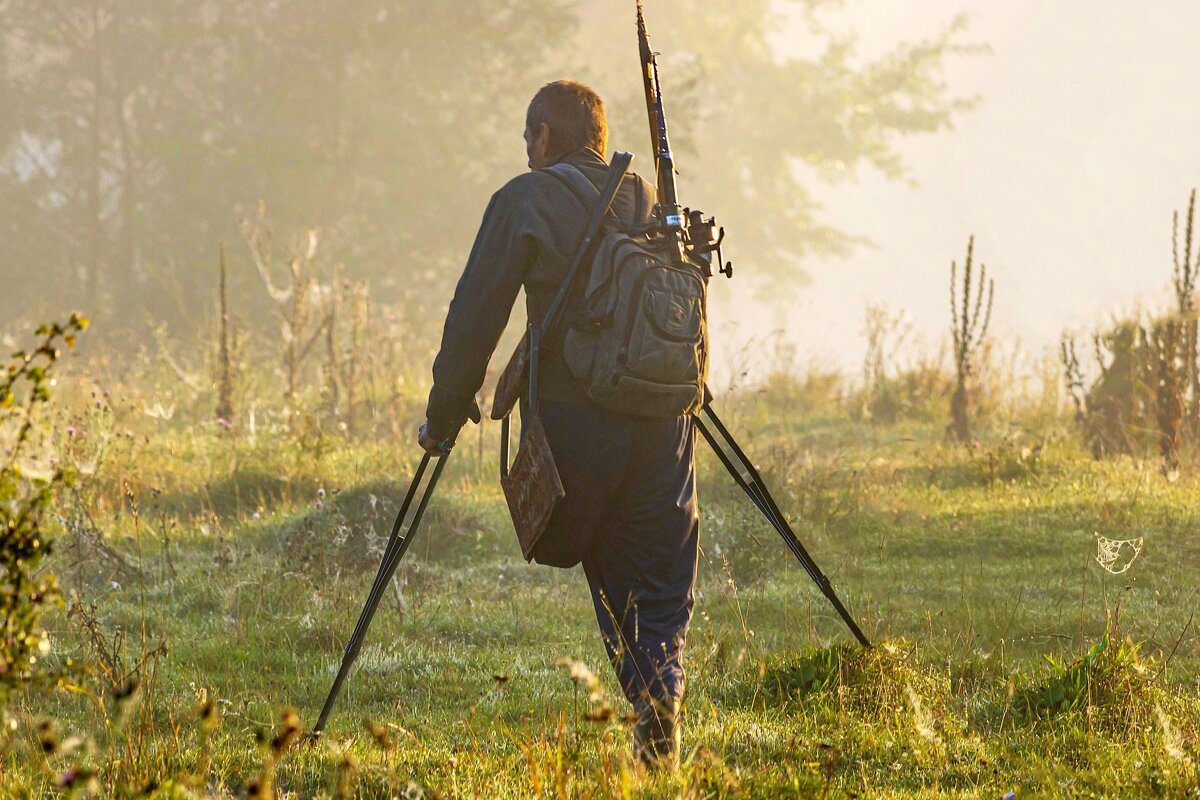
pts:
[436, 448]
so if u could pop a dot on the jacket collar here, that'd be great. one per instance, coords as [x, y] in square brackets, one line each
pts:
[580, 157]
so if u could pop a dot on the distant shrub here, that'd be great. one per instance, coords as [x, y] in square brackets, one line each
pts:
[29, 478]
[1136, 403]
[1147, 393]
[969, 330]
[813, 391]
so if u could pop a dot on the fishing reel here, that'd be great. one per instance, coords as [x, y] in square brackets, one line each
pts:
[702, 239]
[691, 238]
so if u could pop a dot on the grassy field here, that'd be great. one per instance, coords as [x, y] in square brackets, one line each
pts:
[216, 577]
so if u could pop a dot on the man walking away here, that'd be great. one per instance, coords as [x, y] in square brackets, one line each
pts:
[629, 513]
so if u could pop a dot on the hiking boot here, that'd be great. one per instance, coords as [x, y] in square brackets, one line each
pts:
[656, 733]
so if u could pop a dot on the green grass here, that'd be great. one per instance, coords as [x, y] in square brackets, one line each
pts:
[1004, 663]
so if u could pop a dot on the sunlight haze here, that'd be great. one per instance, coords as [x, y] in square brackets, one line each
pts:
[1083, 144]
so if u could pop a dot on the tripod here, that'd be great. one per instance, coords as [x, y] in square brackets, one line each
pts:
[714, 432]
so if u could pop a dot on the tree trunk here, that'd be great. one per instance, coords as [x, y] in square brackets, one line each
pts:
[95, 258]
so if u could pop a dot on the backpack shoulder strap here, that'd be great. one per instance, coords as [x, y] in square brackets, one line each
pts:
[599, 209]
[617, 172]
[583, 189]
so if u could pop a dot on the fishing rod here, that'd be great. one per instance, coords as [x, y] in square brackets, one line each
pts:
[692, 238]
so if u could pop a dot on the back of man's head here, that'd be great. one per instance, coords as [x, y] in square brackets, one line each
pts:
[575, 115]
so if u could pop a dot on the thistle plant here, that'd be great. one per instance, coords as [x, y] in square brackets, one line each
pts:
[225, 350]
[968, 326]
[29, 480]
[1186, 267]
[1167, 339]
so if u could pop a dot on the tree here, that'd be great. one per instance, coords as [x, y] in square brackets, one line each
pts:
[145, 129]
[760, 129]
[148, 127]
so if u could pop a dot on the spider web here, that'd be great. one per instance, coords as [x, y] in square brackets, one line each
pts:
[1109, 553]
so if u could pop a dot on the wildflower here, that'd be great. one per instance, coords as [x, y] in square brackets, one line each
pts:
[287, 733]
[380, 734]
[577, 671]
[318, 504]
[47, 737]
[321, 492]
[224, 423]
[70, 431]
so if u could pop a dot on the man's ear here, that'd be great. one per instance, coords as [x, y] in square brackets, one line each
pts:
[542, 137]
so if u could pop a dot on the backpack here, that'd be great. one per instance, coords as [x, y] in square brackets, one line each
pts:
[637, 335]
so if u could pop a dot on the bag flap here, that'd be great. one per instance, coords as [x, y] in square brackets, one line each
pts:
[533, 486]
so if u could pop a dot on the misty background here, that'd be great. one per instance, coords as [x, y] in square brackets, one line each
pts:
[1067, 172]
[849, 149]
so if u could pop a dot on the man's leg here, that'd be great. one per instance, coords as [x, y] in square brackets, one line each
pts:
[642, 569]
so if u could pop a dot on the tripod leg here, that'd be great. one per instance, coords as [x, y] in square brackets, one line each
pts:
[748, 479]
[387, 567]
[393, 540]
[738, 478]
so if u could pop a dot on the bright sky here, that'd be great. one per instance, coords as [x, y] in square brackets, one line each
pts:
[1086, 139]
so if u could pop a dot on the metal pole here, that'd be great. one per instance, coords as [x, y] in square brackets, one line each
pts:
[748, 479]
[395, 550]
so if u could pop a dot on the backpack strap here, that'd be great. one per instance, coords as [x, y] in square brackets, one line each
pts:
[600, 209]
[582, 188]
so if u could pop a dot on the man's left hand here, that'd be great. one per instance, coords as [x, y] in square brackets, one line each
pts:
[434, 447]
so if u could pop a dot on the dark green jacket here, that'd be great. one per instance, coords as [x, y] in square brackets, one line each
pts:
[528, 237]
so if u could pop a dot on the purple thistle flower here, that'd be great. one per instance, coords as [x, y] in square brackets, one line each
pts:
[70, 431]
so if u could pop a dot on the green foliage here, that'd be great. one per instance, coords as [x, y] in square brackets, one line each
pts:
[876, 680]
[27, 489]
[1113, 675]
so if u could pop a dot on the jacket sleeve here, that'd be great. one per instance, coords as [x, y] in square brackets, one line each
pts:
[482, 303]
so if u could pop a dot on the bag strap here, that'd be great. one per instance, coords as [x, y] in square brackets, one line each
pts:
[612, 182]
[579, 185]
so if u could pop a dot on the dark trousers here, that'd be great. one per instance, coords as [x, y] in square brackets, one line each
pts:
[630, 515]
